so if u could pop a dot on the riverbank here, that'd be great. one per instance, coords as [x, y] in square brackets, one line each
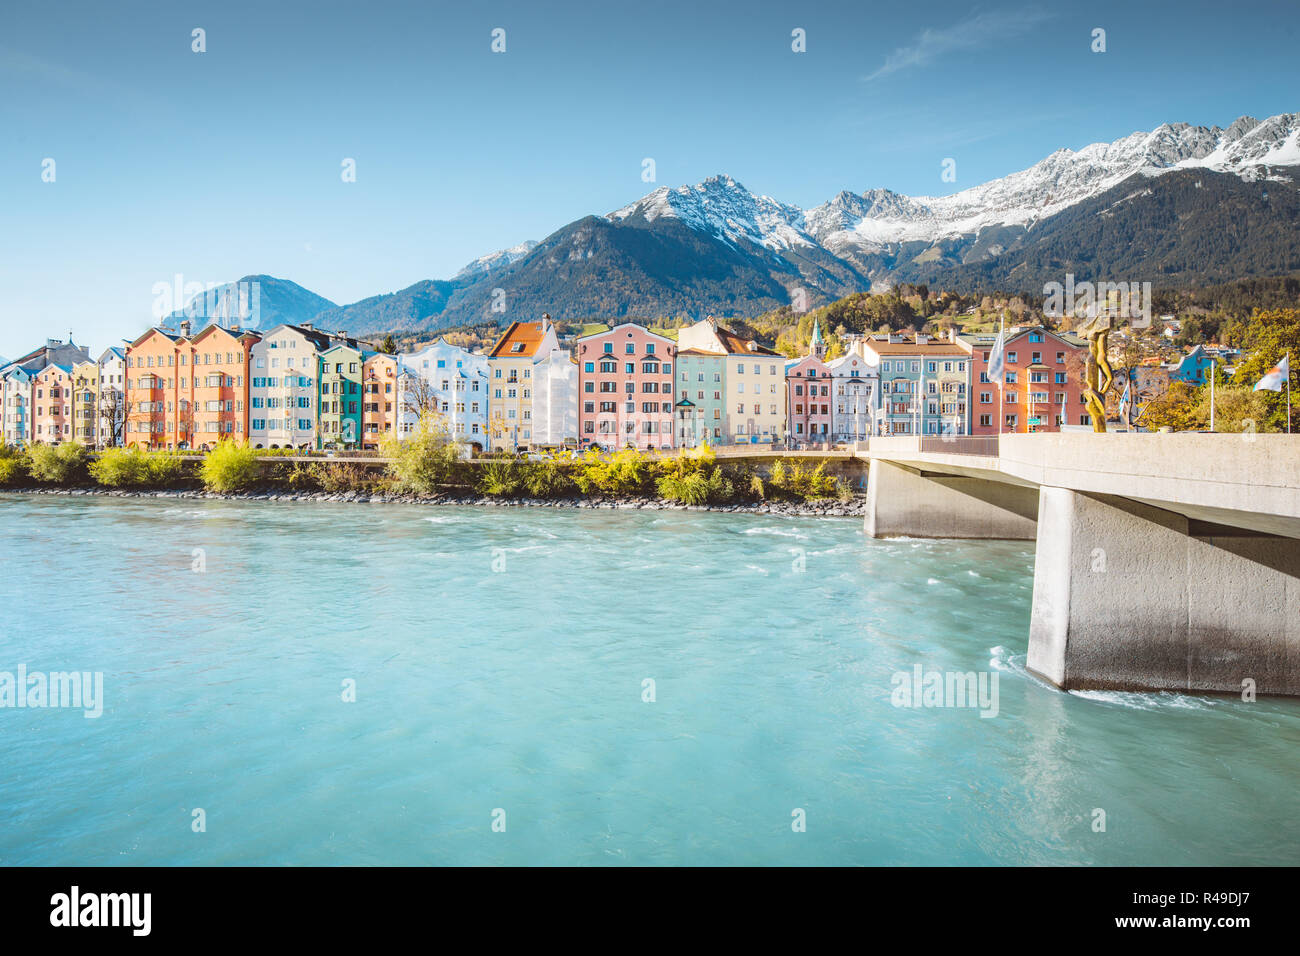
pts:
[853, 507]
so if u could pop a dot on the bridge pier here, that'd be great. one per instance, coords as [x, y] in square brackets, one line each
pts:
[1132, 597]
[905, 501]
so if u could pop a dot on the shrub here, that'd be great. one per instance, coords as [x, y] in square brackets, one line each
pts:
[163, 469]
[547, 479]
[697, 487]
[340, 477]
[57, 464]
[119, 467]
[13, 464]
[229, 467]
[795, 481]
[426, 461]
[622, 473]
[501, 478]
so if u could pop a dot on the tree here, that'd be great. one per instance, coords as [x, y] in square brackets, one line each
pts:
[1177, 408]
[1269, 336]
[389, 347]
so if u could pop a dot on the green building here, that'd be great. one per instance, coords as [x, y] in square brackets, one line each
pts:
[340, 398]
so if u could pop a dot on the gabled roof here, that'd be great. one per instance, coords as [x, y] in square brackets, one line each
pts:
[520, 340]
[155, 330]
[213, 327]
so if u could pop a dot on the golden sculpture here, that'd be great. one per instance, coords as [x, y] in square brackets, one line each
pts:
[1099, 375]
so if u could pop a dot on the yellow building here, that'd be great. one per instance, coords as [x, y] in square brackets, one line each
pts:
[510, 382]
[85, 403]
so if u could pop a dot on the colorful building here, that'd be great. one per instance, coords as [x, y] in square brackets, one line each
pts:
[111, 401]
[52, 405]
[284, 392]
[700, 407]
[453, 382]
[625, 380]
[924, 385]
[380, 398]
[340, 396]
[154, 418]
[16, 396]
[809, 395]
[1041, 369]
[216, 386]
[753, 382]
[85, 403]
[855, 386]
[510, 379]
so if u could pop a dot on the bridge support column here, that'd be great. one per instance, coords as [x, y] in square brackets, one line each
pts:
[1132, 597]
[905, 501]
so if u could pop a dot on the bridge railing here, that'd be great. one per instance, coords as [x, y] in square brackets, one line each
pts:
[986, 445]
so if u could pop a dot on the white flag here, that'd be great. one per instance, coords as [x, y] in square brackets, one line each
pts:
[996, 361]
[1277, 377]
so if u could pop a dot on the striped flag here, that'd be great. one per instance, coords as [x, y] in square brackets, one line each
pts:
[1123, 402]
[1277, 376]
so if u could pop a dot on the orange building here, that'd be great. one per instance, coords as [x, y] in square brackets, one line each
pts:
[151, 391]
[213, 384]
[52, 405]
[379, 399]
[187, 392]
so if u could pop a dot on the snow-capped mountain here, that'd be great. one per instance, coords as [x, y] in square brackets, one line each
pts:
[495, 260]
[874, 219]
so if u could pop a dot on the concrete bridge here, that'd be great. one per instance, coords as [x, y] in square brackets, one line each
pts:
[1164, 561]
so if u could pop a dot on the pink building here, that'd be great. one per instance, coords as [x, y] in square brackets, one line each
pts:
[625, 388]
[808, 394]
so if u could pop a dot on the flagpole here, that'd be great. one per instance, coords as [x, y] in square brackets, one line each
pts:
[1212, 377]
[1288, 393]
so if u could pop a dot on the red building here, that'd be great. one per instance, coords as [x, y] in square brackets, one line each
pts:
[1040, 369]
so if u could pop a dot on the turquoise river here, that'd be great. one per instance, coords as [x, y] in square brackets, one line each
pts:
[499, 659]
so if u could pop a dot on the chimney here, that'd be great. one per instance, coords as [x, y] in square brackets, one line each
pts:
[308, 326]
[922, 338]
[341, 334]
[546, 322]
[185, 328]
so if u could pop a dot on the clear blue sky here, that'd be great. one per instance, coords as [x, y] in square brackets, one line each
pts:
[225, 163]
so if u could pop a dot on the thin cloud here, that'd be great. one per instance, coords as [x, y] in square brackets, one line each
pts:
[975, 31]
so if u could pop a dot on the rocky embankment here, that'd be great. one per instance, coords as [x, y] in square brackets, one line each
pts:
[853, 507]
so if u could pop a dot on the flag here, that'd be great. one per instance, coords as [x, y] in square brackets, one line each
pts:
[1065, 415]
[1123, 401]
[996, 360]
[1276, 377]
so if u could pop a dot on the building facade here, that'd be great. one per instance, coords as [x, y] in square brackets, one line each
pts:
[700, 406]
[924, 385]
[284, 389]
[85, 403]
[510, 380]
[111, 401]
[753, 382]
[1041, 370]
[453, 382]
[154, 418]
[855, 390]
[625, 379]
[52, 398]
[214, 384]
[340, 397]
[16, 394]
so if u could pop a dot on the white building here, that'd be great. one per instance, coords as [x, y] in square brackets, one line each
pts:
[16, 396]
[555, 399]
[112, 397]
[455, 383]
[283, 386]
[855, 387]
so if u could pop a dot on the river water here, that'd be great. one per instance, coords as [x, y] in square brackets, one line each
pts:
[549, 686]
